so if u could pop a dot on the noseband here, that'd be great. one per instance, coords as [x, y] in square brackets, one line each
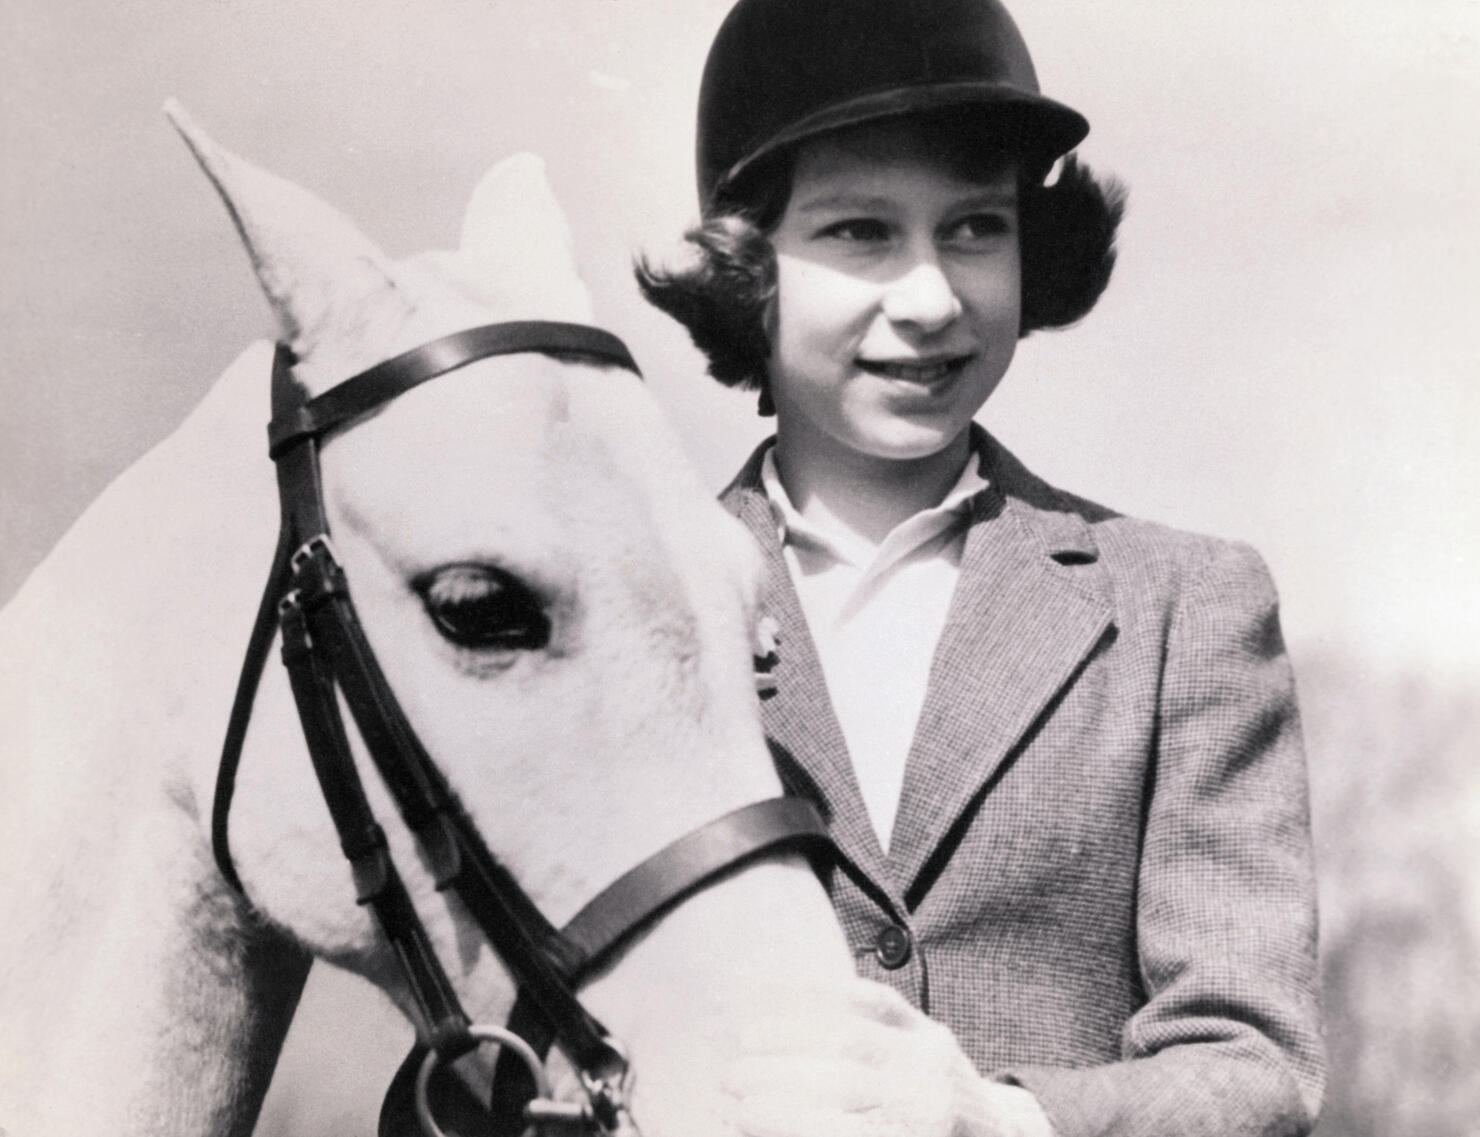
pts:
[327, 655]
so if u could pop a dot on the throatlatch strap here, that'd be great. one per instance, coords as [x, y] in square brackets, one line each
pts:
[259, 645]
[264, 628]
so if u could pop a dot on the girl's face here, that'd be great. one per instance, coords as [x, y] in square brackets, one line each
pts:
[898, 294]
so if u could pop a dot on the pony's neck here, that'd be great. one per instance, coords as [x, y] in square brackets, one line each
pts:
[174, 1002]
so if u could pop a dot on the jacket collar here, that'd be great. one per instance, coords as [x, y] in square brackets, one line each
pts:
[805, 738]
[1030, 605]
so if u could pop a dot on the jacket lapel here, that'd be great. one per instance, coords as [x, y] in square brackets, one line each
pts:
[1027, 610]
[807, 742]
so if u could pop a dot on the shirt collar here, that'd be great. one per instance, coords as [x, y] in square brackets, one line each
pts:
[848, 547]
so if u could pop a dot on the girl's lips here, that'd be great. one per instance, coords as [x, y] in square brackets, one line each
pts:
[924, 371]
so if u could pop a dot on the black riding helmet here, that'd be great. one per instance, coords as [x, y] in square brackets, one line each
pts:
[783, 70]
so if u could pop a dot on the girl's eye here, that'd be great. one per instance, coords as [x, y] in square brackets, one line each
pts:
[857, 229]
[483, 608]
[980, 226]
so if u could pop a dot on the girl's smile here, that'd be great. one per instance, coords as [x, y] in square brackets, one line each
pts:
[924, 371]
[898, 302]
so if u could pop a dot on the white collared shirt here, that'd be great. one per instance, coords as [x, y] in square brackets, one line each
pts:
[875, 614]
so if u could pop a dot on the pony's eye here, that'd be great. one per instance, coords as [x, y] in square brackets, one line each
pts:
[484, 609]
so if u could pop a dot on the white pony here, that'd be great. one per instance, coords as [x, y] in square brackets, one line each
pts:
[138, 993]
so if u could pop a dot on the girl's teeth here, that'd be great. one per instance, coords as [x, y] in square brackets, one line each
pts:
[927, 373]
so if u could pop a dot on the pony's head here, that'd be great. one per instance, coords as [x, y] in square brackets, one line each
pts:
[562, 610]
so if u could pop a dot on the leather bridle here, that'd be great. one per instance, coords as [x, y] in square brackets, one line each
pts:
[327, 655]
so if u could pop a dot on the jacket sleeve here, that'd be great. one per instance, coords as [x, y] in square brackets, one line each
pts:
[1228, 1040]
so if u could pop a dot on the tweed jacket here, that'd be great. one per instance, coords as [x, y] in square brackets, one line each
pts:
[1100, 873]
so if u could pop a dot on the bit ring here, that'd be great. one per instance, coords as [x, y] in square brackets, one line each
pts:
[483, 1033]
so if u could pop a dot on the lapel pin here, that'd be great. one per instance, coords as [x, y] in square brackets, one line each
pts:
[767, 654]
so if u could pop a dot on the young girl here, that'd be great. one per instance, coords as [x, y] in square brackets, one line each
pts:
[1058, 747]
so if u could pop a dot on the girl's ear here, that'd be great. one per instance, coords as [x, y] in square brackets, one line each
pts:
[770, 322]
[316, 268]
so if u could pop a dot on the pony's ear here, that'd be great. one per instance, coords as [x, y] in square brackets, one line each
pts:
[516, 247]
[316, 267]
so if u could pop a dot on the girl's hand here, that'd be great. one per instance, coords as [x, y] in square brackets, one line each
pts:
[857, 1060]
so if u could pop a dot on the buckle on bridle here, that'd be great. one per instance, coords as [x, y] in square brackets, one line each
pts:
[606, 1097]
[310, 549]
[319, 573]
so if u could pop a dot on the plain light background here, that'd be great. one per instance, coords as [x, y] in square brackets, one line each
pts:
[1286, 354]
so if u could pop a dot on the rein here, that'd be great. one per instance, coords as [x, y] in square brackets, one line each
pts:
[326, 654]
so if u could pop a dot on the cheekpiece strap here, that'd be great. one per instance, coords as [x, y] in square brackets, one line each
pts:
[383, 382]
[297, 419]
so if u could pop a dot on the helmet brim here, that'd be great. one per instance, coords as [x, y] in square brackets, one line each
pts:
[1039, 129]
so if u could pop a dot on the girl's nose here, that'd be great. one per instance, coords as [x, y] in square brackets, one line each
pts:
[923, 297]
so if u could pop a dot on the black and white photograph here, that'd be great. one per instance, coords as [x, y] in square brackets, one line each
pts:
[739, 568]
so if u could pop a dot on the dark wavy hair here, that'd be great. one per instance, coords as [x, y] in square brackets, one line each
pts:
[1066, 232]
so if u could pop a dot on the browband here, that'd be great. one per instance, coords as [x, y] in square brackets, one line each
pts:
[397, 375]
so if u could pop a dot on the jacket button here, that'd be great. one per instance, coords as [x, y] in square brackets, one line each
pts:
[892, 946]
